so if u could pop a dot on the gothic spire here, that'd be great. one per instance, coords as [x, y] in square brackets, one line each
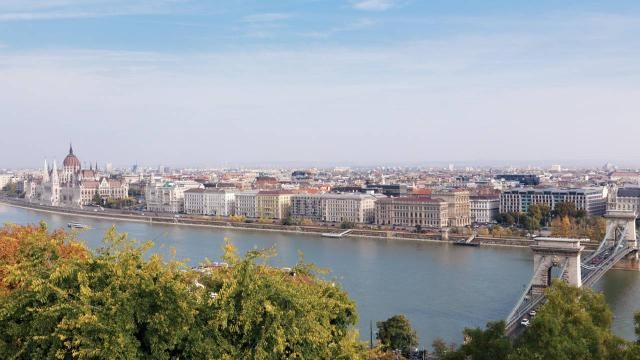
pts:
[70, 149]
[45, 173]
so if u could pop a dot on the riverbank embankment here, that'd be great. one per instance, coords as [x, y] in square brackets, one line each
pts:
[213, 222]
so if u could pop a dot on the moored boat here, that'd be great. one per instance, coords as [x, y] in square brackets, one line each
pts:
[78, 226]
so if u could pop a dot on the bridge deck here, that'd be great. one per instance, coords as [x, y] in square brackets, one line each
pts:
[593, 267]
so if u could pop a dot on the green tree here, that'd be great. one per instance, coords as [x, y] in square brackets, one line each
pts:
[565, 208]
[396, 333]
[347, 225]
[440, 348]
[574, 323]
[11, 189]
[60, 300]
[488, 344]
[540, 214]
[97, 199]
[636, 322]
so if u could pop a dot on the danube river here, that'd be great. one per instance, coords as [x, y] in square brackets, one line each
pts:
[440, 287]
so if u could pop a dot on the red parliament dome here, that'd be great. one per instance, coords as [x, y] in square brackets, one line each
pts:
[71, 160]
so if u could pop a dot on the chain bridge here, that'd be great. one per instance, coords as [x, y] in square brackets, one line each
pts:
[561, 258]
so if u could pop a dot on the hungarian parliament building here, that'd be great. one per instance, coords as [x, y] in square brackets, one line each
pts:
[73, 186]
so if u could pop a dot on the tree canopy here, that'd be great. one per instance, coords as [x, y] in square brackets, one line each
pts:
[396, 333]
[59, 299]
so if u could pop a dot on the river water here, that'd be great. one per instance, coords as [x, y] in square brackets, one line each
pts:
[441, 288]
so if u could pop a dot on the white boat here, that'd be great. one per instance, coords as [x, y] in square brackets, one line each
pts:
[78, 226]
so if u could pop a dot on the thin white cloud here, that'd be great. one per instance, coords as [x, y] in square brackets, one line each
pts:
[30, 10]
[354, 26]
[266, 17]
[30, 16]
[373, 5]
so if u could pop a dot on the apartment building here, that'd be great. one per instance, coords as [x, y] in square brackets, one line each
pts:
[307, 206]
[218, 202]
[484, 209]
[458, 200]
[353, 207]
[412, 211]
[168, 196]
[245, 203]
[273, 204]
[592, 200]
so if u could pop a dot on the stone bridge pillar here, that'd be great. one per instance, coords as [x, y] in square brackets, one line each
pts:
[550, 253]
[622, 219]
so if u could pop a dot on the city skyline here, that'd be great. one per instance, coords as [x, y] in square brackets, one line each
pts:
[185, 83]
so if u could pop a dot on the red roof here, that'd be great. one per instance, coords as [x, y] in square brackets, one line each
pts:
[71, 160]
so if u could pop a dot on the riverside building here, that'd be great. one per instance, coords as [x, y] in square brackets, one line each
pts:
[412, 211]
[218, 202]
[72, 186]
[484, 209]
[307, 206]
[458, 200]
[168, 196]
[273, 204]
[355, 208]
[245, 203]
[592, 200]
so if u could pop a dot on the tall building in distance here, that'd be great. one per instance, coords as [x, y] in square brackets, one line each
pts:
[72, 186]
[523, 179]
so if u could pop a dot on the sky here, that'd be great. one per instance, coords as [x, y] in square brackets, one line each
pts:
[344, 82]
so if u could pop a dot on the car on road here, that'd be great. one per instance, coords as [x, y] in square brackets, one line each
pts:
[525, 322]
[532, 313]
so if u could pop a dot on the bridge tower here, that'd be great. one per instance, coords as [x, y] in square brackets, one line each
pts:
[622, 220]
[560, 253]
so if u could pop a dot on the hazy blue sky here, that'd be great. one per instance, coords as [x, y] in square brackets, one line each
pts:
[187, 82]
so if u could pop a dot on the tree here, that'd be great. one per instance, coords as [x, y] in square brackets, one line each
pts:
[636, 322]
[60, 300]
[396, 333]
[574, 323]
[565, 209]
[97, 199]
[562, 227]
[489, 344]
[541, 212]
[11, 189]
[440, 348]
[509, 219]
[347, 225]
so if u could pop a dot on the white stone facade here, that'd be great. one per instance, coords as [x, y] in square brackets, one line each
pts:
[484, 209]
[168, 196]
[356, 208]
[218, 202]
[245, 203]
